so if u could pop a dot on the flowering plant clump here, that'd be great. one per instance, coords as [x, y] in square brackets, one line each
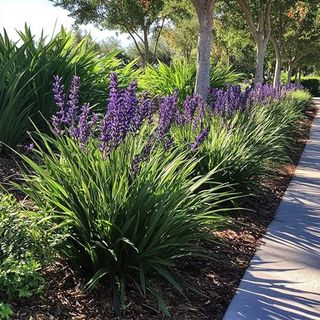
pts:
[68, 118]
[126, 113]
[226, 102]
[137, 188]
[128, 202]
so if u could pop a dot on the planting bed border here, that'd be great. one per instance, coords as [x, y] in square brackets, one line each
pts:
[63, 299]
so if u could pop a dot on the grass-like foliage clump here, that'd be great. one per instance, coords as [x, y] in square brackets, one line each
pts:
[136, 189]
[26, 71]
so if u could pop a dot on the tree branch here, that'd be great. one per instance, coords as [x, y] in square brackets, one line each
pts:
[135, 42]
[158, 37]
[268, 18]
[137, 34]
[248, 16]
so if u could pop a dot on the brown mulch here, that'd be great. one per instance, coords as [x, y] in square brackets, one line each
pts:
[9, 172]
[8, 169]
[63, 298]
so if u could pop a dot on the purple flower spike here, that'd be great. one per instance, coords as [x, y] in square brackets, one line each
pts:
[200, 138]
[113, 93]
[30, 147]
[66, 116]
[105, 134]
[144, 111]
[84, 125]
[123, 115]
[130, 106]
[167, 115]
[73, 102]
[135, 166]
[59, 98]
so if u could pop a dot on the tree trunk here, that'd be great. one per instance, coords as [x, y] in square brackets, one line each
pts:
[299, 77]
[277, 69]
[261, 53]
[289, 73]
[146, 47]
[205, 15]
[260, 30]
[157, 40]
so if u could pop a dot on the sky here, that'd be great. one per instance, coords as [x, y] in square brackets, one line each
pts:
[42, 14]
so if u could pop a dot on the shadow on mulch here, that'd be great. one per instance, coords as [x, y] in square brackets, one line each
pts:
[63, 298]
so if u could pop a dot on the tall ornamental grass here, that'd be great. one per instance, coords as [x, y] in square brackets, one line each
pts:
[26, 71]
[163, 79]
[246, 150]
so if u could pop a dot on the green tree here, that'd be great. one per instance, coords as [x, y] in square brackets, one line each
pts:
[138, 18]
[233, 43]
[204, 13]
[182, 38]
[280, 23]
[258, 17]
[295, 33]
[301, 39]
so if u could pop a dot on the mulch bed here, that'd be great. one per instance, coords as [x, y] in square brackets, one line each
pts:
[63, 298]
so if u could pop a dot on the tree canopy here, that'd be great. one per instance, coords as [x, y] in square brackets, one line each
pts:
[138, 18]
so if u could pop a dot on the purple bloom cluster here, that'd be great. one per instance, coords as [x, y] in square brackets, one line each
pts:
[145, 110]
[119, 113]
[138, 158]
[168, 114]
[125, 114]
[227, 102]
[194, 110]
[58, 119]
[263, 93]
[67, 111]
[67, 118]
[84, 129]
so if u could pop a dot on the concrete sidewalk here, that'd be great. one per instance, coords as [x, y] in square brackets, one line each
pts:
[283, 279]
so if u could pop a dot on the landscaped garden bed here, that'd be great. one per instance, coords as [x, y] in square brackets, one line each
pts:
[208, 284]
[138, 192]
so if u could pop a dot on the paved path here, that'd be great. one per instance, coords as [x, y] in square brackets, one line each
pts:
[283, 280]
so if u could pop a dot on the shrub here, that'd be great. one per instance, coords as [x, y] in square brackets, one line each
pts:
[20, 255]
[312, 84]
[300, 98]
[5, 311]
[26, 72]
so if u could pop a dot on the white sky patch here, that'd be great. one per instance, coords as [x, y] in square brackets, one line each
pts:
[43, 15]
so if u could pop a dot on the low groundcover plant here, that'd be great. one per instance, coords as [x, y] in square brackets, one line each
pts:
[20, 255]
